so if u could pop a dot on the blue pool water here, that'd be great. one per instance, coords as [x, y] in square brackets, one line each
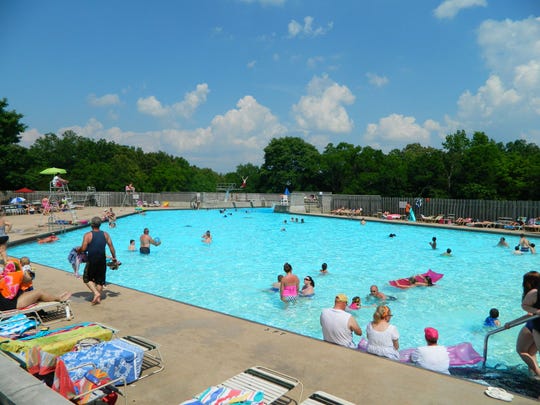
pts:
[232, 275]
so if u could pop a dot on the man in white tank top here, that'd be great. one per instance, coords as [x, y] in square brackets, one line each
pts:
[337, 325]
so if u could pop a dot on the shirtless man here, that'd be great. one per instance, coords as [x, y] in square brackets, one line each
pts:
[374, 292]
[146, 240]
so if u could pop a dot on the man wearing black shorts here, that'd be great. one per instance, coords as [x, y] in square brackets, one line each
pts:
[94, 245]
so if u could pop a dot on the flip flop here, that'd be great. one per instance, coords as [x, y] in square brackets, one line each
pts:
[499, 393]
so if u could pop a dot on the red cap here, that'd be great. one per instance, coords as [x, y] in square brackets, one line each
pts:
[431, 334]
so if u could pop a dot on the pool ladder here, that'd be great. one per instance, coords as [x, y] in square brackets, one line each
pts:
[507, 326]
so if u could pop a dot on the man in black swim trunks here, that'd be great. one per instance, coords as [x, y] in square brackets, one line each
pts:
[146, 240]
[96, 266]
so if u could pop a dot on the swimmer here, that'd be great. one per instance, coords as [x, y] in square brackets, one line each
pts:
[206, 237]
[517, 250]
[131, 246]
[356, 304]
[448, 253]
[289, 287]
[375, 293]
[493, 318]
[308, 289]
[48, 239]
[532, 248]
[433, 243]
[324, 269]
[392, 235]
[146, 240]
[502, 242]
[362, 221]
[418, 280]
[275, 286]
[524, 243]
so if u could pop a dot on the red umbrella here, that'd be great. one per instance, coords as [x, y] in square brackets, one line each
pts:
[24, 190]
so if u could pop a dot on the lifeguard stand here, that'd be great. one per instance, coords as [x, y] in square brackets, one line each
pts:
[58, 194]
[130, 199]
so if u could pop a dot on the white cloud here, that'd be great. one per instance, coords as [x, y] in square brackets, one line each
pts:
[236, 137]
[307, 30]
[450, 8]
[104, 101]
[192, 101]
[29, 136]
[185, 108]
[151, 106]
[507, 44]
[322, 109]
[508, 102]
[377, 80]
[250, 125]
[251, 64]
[396, 130]
[488, 100]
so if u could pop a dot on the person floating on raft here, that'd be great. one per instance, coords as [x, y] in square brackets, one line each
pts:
[48, 239]
[420, 280]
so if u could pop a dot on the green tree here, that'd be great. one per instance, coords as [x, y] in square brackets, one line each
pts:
[11, 126]
[338, 167]
[455, 146]
[290, 162]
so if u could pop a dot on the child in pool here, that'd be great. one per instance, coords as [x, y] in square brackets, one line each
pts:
[275, 286]
[493, 318]
[357, 304]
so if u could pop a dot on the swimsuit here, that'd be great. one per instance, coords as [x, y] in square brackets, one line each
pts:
[144, 250]
[96, 268]
[289, 292]
[490, 321]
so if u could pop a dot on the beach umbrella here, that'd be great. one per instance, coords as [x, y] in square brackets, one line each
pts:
[53, 170]
[17, 200]
[24, 190]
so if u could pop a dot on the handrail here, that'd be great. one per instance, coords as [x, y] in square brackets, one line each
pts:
[507, 326]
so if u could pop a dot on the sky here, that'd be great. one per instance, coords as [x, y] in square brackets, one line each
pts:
[213, 81]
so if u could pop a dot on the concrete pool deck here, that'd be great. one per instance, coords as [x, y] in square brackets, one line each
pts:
[202, 348]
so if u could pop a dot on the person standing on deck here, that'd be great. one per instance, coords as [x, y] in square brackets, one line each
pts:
[96, 267]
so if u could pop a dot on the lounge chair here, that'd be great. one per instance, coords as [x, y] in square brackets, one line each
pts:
[256, 380]
[45, 312]
[321, 397]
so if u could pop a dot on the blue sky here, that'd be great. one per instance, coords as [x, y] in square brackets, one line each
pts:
[214, 81]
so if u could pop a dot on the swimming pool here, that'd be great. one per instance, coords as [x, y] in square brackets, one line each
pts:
[233, 274]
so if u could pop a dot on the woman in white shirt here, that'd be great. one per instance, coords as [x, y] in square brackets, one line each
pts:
[383, 338]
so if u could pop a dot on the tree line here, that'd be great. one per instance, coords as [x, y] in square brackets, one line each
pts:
[465, 167]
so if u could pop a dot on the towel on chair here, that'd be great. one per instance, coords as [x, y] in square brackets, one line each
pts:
[226, 396]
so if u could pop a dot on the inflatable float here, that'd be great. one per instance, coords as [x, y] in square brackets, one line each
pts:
[462, 354]
[405, 282]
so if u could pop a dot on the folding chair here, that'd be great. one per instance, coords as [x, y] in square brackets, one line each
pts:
[323, 398]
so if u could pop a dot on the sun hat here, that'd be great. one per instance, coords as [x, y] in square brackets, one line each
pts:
[342, 298]
[431, 334]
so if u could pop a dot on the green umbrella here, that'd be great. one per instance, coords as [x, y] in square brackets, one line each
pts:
[53, 170]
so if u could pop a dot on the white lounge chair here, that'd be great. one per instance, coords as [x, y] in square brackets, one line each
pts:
[45, 312]
[321, 397]
[273, 384]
